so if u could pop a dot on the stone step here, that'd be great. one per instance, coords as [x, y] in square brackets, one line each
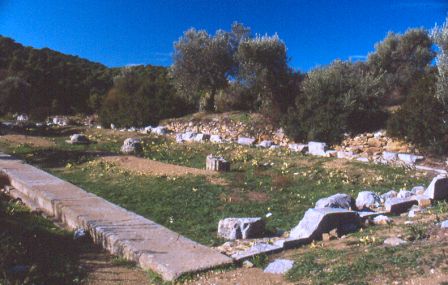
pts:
[121, 232]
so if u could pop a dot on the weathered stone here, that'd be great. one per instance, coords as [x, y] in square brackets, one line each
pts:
[132, 145]
[317, 148]
[404, 194]
[216, 163]
[298, 147]
[265, 144]
[382, 220]
[418, 190]
[202, 137]
[388, 195]
[399, 205]
[179, 138]
[215, 139]
[394, 241]
[339, 200]
[112, 127]
[290, 242]
[160, 130]
[331, 153]
[241, 228]
[362, 159]
[22, 118]
[246, 141]
[422, 200]
[247, 264]
[79, 139]
[189, 136]
[438, 188]
[390, 156]
[60, 121]
[367, 199]
[256, 249]
[279, 266]
[409, 159]
[318, 221]
[444, 224]
[345, 154]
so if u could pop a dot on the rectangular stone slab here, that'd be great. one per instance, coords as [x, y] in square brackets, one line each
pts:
[121, 232]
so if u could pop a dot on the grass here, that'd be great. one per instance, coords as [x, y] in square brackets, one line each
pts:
[283, 183]
[33, 250]
[364, 265]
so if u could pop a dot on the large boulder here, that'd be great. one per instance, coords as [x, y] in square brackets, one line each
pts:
[317, 148]
[79, 139]
[132, 146]
[367, 199]
[438, 188]
[241, 228]
[339, 200]
[318, 221]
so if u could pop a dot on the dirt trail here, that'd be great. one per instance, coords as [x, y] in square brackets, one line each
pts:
[31, 140]
[152, 167]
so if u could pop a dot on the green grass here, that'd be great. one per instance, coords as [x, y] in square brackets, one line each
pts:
[48, 255]
[261, 181]
[362, 265]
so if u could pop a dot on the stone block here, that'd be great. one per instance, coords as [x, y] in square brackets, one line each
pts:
[390, 156]
[265, 144]
[438, 188]
[410, 159]
[246, 141]
[216, 139]
[202, 137]
[216, 163]
[394, 241]
[318, 221]
[241, 228]
[298, 147]
[132, 146]
[79, 139]
[279, 266]
[256, 249]
[317, 148]
[399, 205]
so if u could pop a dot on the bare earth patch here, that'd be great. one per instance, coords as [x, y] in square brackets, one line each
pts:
[152, 167]
[241, 276]
[31, 140]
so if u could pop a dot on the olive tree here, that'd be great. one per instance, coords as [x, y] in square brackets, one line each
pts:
[440, 38]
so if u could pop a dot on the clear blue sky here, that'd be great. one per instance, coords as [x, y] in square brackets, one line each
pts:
[118, 33]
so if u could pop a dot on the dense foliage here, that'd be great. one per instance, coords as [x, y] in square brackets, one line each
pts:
[51, 82]
[341, 98]
[141, 96]
[440, 36]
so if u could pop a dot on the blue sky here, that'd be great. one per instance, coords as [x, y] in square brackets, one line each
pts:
[119, 32]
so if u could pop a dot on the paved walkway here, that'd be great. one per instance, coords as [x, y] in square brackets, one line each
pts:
[120, 231]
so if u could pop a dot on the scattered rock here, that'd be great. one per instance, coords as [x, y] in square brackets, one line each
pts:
[339, 200]
[256, 249]
[367, 199]
[279, 266]
[404, 194]
[444, 224]
[418, 190]
[79, 234]
[390, 156]
[296, 147]
[132, 145]
[382, 220]
[79, 139]
[409, 159]
[241, 228]
[345, 154]
[22, 118]
[394, 241]
[422, 200]
[317, 148]
[160, 130]
[388, 195]
[318, 221]
[246, 141]
[247, 264]
[216, 163]
[216, 139]
[202, 137]
[438, 188]
[399, 205]
[265, 144]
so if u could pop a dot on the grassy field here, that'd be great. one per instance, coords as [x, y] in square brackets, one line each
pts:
[261, 181]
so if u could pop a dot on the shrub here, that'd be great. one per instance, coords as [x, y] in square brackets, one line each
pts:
[421, 119]
[343, 97]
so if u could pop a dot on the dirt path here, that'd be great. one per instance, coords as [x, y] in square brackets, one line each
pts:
[152, 167]
[31, 140]
[240, 276]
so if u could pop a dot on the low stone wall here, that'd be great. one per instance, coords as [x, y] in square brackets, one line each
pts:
[121, 232]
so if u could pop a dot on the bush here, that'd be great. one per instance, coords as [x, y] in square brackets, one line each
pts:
[421, 119]
[235, 97]
[141, 96]
[341, 98]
